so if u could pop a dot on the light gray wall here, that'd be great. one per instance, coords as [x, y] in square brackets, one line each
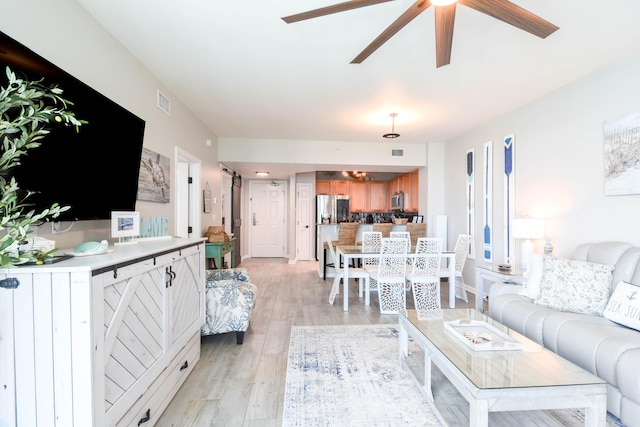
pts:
[65, 34]
[559, 165]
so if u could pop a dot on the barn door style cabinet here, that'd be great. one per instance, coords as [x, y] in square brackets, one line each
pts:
[103, 340]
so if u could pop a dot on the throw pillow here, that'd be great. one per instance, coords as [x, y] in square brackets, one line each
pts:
[575, 286]
[533, 274]
[624, 305]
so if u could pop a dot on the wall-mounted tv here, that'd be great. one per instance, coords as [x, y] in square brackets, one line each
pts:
[94, 171]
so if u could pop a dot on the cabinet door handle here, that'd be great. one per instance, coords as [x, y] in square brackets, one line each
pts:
[146, 417]
[185, 366]
[254, 218]
[170, 277]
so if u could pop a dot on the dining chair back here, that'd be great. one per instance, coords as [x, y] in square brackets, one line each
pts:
[354, 273]
[428, 245]
[425, 275]
[347, 232]
[390, 277]
[461, 253]
[402, 235]
[371, 244]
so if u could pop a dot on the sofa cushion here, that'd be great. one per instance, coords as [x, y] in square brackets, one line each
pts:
[624, 305]
[575, 286]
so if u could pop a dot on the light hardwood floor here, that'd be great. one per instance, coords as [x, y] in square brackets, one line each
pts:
[243, 385]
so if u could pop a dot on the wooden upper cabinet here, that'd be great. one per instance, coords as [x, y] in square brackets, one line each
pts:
[329, 186]
[358, 196]
[411, 191]
[323, 186]
[378, 196]
[341, 187]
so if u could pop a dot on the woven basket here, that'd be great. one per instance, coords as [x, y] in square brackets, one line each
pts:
[401, 221]
[216, 234]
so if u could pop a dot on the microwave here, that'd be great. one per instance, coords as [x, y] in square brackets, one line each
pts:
[397, 201]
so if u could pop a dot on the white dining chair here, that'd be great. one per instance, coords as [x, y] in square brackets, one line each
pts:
[371, 243]
[402, 235]
[425, 274]
[461, 253]
[354, 273]
[390, 277]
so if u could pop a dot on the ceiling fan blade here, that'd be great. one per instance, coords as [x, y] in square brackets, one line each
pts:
[340, 7]
[445, 18]
[416, 9]
[514, 15]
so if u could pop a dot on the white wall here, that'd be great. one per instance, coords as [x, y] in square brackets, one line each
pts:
[314, 153]
[558, 165]
[65, 34]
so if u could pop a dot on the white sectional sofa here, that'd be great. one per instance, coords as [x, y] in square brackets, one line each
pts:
[581, 330]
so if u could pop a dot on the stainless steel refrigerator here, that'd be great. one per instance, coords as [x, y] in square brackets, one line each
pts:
[330, 209]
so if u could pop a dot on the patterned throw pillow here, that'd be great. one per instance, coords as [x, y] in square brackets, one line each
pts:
[575, 286]
[624, 305]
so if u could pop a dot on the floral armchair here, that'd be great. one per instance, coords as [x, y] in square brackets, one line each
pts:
[230, 297]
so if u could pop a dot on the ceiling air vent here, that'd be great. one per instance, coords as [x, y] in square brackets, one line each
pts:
[397, 152]
[163, 103]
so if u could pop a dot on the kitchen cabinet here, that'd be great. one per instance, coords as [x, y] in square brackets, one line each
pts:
[377, 196]
[323, 186]
[359, 196]
[407, 184]
[105, 340]
[328, 186]
[412, 181]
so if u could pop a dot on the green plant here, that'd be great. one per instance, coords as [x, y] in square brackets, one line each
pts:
[27, 108]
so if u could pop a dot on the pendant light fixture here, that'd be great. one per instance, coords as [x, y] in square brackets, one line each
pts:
[393, 134]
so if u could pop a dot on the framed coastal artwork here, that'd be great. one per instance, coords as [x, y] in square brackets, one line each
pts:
[622, 155]
[153, 181]
[125, 224]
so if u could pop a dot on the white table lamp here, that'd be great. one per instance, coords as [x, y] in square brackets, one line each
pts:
[528, 229]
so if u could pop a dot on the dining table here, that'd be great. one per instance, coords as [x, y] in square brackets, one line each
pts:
[353, 252]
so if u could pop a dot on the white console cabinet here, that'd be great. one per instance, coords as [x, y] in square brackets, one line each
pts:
[103, 340]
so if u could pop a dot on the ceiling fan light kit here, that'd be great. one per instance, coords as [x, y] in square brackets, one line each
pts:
[445, 12]
[392, 134]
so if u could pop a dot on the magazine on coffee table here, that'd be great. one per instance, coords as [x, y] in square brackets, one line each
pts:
[481, 336]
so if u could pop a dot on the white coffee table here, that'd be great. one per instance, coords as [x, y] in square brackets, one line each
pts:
[506, 380]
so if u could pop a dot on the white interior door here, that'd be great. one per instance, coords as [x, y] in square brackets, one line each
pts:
[303, 222]
[187, 203]
[267, 218]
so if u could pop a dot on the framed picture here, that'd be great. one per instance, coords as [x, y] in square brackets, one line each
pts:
[418, 219]
[125, 224]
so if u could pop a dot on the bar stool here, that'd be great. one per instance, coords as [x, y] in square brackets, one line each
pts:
[385, 228]
[347, 232]
[416, 230]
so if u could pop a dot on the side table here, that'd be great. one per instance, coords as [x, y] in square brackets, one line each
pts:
[217, 250]
[492, 274]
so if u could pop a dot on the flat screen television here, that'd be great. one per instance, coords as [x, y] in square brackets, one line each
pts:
[94, 171]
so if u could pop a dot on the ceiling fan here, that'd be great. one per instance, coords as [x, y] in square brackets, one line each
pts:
[445, 14]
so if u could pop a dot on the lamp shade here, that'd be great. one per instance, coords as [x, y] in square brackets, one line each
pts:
[528, 228]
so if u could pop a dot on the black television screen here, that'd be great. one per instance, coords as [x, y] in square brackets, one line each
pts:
[94, 171]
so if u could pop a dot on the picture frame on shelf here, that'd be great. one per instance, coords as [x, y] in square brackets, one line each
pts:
[125, 226]
[418, 219]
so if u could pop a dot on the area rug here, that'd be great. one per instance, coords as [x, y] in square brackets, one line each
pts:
[351, 376]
